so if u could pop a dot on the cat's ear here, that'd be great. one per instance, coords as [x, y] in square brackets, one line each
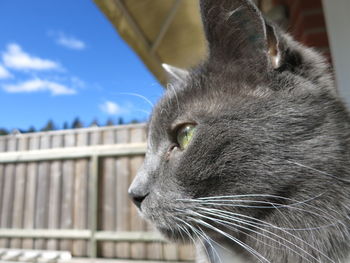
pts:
[236, 29]
[175, 73]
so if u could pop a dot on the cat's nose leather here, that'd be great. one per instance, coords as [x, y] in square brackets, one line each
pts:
[137, 198]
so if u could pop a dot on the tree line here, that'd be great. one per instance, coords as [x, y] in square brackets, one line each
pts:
[75, 124]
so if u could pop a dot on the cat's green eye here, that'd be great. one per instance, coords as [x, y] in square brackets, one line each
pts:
[184, 135]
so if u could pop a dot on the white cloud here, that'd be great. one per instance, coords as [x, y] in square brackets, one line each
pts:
[39, 85]
[67, 41]
[4, 73]
[110, 108]
[14, 57]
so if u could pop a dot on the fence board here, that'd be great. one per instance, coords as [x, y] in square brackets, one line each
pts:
[19, 197]
[29, 205]
[12, 143]
[54, 201]
[2, 182]
[170, 252]
[2, 189]
[67, 201]
[22, 143]
[55, 192]
[7, 202]
[186, 253]
[3, 140]
[81, 196]
[108, 189]
[41, 215]
[122, 201]
[95, 137]
[122, 204]
[34, 142]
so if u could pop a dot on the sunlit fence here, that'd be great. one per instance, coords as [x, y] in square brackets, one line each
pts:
[67, 190]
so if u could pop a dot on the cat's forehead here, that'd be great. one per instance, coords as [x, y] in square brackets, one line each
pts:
[206, 92]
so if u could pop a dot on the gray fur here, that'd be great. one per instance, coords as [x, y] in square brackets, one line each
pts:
[273, 138]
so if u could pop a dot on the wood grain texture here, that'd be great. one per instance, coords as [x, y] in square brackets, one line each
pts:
[67, 202]
[108, 197]
[55, 193]
[2, 194]
[42, 205]
[3, 142]
[66, 221]
[7, 201]
[123, 203]
[29, 204]
[81, 187]
[19, 198]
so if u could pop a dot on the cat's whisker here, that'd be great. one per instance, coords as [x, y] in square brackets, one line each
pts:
[253, 224]
[235, 227]
[237, 230]
[236, 240]
[268, 224]
[227, 224]
[318, 171]
[258, 195]
[190, 236]
[137, 95]
[251, 236]
[272, 205]
[304, 202]
[325, 215]
[185, 230]
[181, 229]
[202, 235]
[231, 13]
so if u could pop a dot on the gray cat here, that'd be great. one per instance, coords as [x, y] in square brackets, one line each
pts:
[249, 153]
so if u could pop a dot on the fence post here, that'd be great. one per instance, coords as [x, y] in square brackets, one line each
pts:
[93, 204]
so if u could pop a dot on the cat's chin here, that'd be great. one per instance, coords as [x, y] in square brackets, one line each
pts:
[175, 235]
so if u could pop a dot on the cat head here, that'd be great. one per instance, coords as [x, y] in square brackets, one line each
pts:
[256, 120]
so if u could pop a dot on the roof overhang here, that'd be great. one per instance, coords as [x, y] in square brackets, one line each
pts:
[160, 31]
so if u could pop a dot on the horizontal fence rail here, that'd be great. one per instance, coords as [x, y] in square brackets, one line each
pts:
[74, 153]
[67, 190]
[82, 234]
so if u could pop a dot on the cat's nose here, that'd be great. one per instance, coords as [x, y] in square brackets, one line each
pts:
[137, 198]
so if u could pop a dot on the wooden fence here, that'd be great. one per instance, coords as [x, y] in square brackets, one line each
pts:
[67, 190]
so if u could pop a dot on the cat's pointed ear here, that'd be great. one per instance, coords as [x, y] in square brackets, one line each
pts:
[175, 73]
[236, 29]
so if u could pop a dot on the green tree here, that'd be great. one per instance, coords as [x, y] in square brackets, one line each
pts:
[65, 125]
[77, 124]
[31, 129]
[94, 123]
[120, 121]
[109, 122]
[3, 131]
[50, 126]
[134, 121]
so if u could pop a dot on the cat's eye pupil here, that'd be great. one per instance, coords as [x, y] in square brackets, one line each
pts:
[185, 135]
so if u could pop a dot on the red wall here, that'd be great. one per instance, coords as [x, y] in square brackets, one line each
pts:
[307, 23]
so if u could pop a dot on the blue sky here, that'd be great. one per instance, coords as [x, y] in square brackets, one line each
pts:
[62, 59]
